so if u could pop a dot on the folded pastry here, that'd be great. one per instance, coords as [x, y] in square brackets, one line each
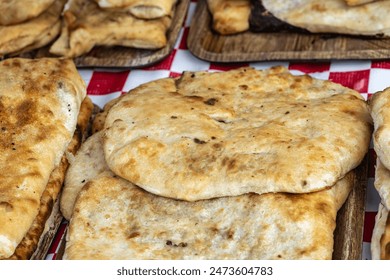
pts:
[230, 16]
[17, 11]
[33, 33]
[40, 102]
[86, 25]
[145, 9]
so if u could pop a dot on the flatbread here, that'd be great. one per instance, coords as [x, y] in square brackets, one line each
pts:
[29, 244]
[144, 9]
[220, 134]
[230, 16]
[379, 104]
[333, 16]
[33, 33]
[358, 2]
[86, 25]
[114, 219]
[380, 242]
[382, 182]
[17, 11]
[88, 163]
[100, 118]
[39, 105]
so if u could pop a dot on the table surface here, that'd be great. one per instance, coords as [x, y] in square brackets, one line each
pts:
[365, 76]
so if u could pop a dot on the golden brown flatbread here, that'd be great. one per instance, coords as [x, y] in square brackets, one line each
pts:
[144, 9]
[100, 118]
[39, 105]
[86, 25]
[379, 104]
[382, 183]
[17, 11]
[88, 164]
[33, 33]
[333, 16]
[230, 16]
[114, 219]
[208, 135]
[31, 240]
[380, 243]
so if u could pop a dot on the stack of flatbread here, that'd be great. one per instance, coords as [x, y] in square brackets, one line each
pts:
[367, 17]
[43, 114]
[134, 23]
[379, 105]
[27, 25]
[230, 16]
[243, 164]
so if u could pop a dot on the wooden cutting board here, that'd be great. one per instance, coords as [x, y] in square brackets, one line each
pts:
[248, 46]
[127, 57]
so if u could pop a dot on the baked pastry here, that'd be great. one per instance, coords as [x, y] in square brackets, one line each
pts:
[208, 135]
[86, 25]
[40, 102]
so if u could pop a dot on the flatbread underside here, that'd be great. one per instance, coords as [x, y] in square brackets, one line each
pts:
[210, 135]
[16, 11]
[39, 105]
[113, 219]
[230, 16]
[86, 25]
[88, 163]
[30, 242]
[382, 183]
[379, 105]
[333, 16]
[144, 9]
[380, 243]
[33, 33]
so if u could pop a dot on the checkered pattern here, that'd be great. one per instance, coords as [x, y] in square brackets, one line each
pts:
[367, 77]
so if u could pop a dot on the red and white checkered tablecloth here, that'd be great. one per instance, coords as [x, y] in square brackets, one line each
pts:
[365, 76]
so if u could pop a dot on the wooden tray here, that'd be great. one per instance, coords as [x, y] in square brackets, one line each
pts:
[249, 46]
[128, 57]
[348, 235]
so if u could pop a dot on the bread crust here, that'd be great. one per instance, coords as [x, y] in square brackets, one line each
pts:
[40, 102]
[30, 242]
[209, 135]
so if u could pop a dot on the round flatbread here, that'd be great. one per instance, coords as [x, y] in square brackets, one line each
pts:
[210, 135]
[333, 16]
[114, 219]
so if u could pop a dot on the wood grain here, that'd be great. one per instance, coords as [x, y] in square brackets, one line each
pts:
[248, 46]
[123, 56]
[348, 236]
[49, 233]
